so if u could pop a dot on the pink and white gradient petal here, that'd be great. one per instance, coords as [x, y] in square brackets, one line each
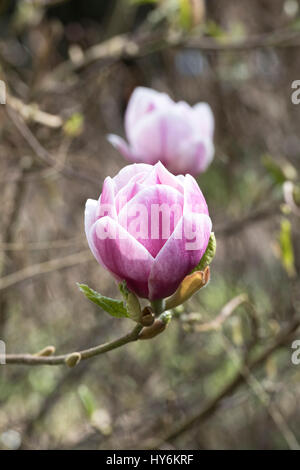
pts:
[175, 260]
[122, 255]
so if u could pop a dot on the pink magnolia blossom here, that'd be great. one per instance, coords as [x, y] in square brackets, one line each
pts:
[149, 228]
[158, 129]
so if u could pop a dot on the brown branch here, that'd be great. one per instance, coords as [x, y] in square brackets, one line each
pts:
[231, 228]
[212, 405]
[42, 153]
[225, 313]
[43, 268]
[31, 112]
[127, 46]
[43, 245]
[72, 359]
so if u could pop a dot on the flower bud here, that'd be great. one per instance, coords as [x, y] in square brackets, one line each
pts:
[73, 359]
[159, 325]
[148, 317]
[191, 284]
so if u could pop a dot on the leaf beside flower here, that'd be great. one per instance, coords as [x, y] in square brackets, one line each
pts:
[114, 307]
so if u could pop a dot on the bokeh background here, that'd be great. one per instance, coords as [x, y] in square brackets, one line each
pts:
[69, 68]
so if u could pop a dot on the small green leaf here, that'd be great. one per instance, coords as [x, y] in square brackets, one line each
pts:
[114, 307]
[132, 302]
[185, 14]
[208, 255]
[286, 247]
[73, 127]
[87, 399]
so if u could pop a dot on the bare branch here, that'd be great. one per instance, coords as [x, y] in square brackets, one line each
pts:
[33, 360]
[43, 268]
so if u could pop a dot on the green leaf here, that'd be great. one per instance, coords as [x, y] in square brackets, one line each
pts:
[286, 248]
[208, 255]
[185, 14]
[114, 307]
[87, 399]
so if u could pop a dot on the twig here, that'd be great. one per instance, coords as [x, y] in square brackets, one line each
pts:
[234, 226]
[42, 153]
[226, 311]
[31, 112]
[211, 406]
[264, 398]
[45, 245]
[43, 268]
[288, 192]
[125, 45]
[30, 359]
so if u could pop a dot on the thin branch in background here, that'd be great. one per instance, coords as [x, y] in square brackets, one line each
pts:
[285, 336]
[262, 214]
[7, 237]
[288, 192]
[31, 112]
[127, 46]
[44, 245]
[43, 154]
[264, 398]
[225, 313]
[46, 267]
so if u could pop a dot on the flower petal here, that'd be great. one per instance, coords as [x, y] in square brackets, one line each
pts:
[107, 199]
[143, 101]
[158, 136]
[122, 255]
[194, 200]
[179, 255]
[124, 176]
[152, 215]
[204, 119]
[90, 214]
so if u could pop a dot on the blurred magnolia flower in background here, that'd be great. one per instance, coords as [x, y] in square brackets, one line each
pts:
[148, 228]
[158, 129]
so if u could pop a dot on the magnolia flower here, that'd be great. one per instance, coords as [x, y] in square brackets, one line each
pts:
[148, 228]
[158, 129]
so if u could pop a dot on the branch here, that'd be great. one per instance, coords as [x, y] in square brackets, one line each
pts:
[42, 268]
[282, 338]
[230, 228]
[42, 153]
[127, 46]
[72, 359]
[31, 112]
[217, 322]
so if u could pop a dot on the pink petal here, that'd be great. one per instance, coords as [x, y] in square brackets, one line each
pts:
[128, 172]
[142, 219]
[90, 214]
[158, 136]
[204, 119]
[107, 199]
[122, 255]
[194, 200]
[179, 255]
[143, 101]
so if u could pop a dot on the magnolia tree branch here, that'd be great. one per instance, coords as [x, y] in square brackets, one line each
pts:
[284, 337]
[71, 359]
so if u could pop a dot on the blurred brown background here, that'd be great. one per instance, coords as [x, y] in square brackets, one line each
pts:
[69, 69]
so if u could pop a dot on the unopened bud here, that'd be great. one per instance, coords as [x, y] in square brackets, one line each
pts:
[73, 359]
[159, 325]
[190, 284]
[148, 317]
[47, 351]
